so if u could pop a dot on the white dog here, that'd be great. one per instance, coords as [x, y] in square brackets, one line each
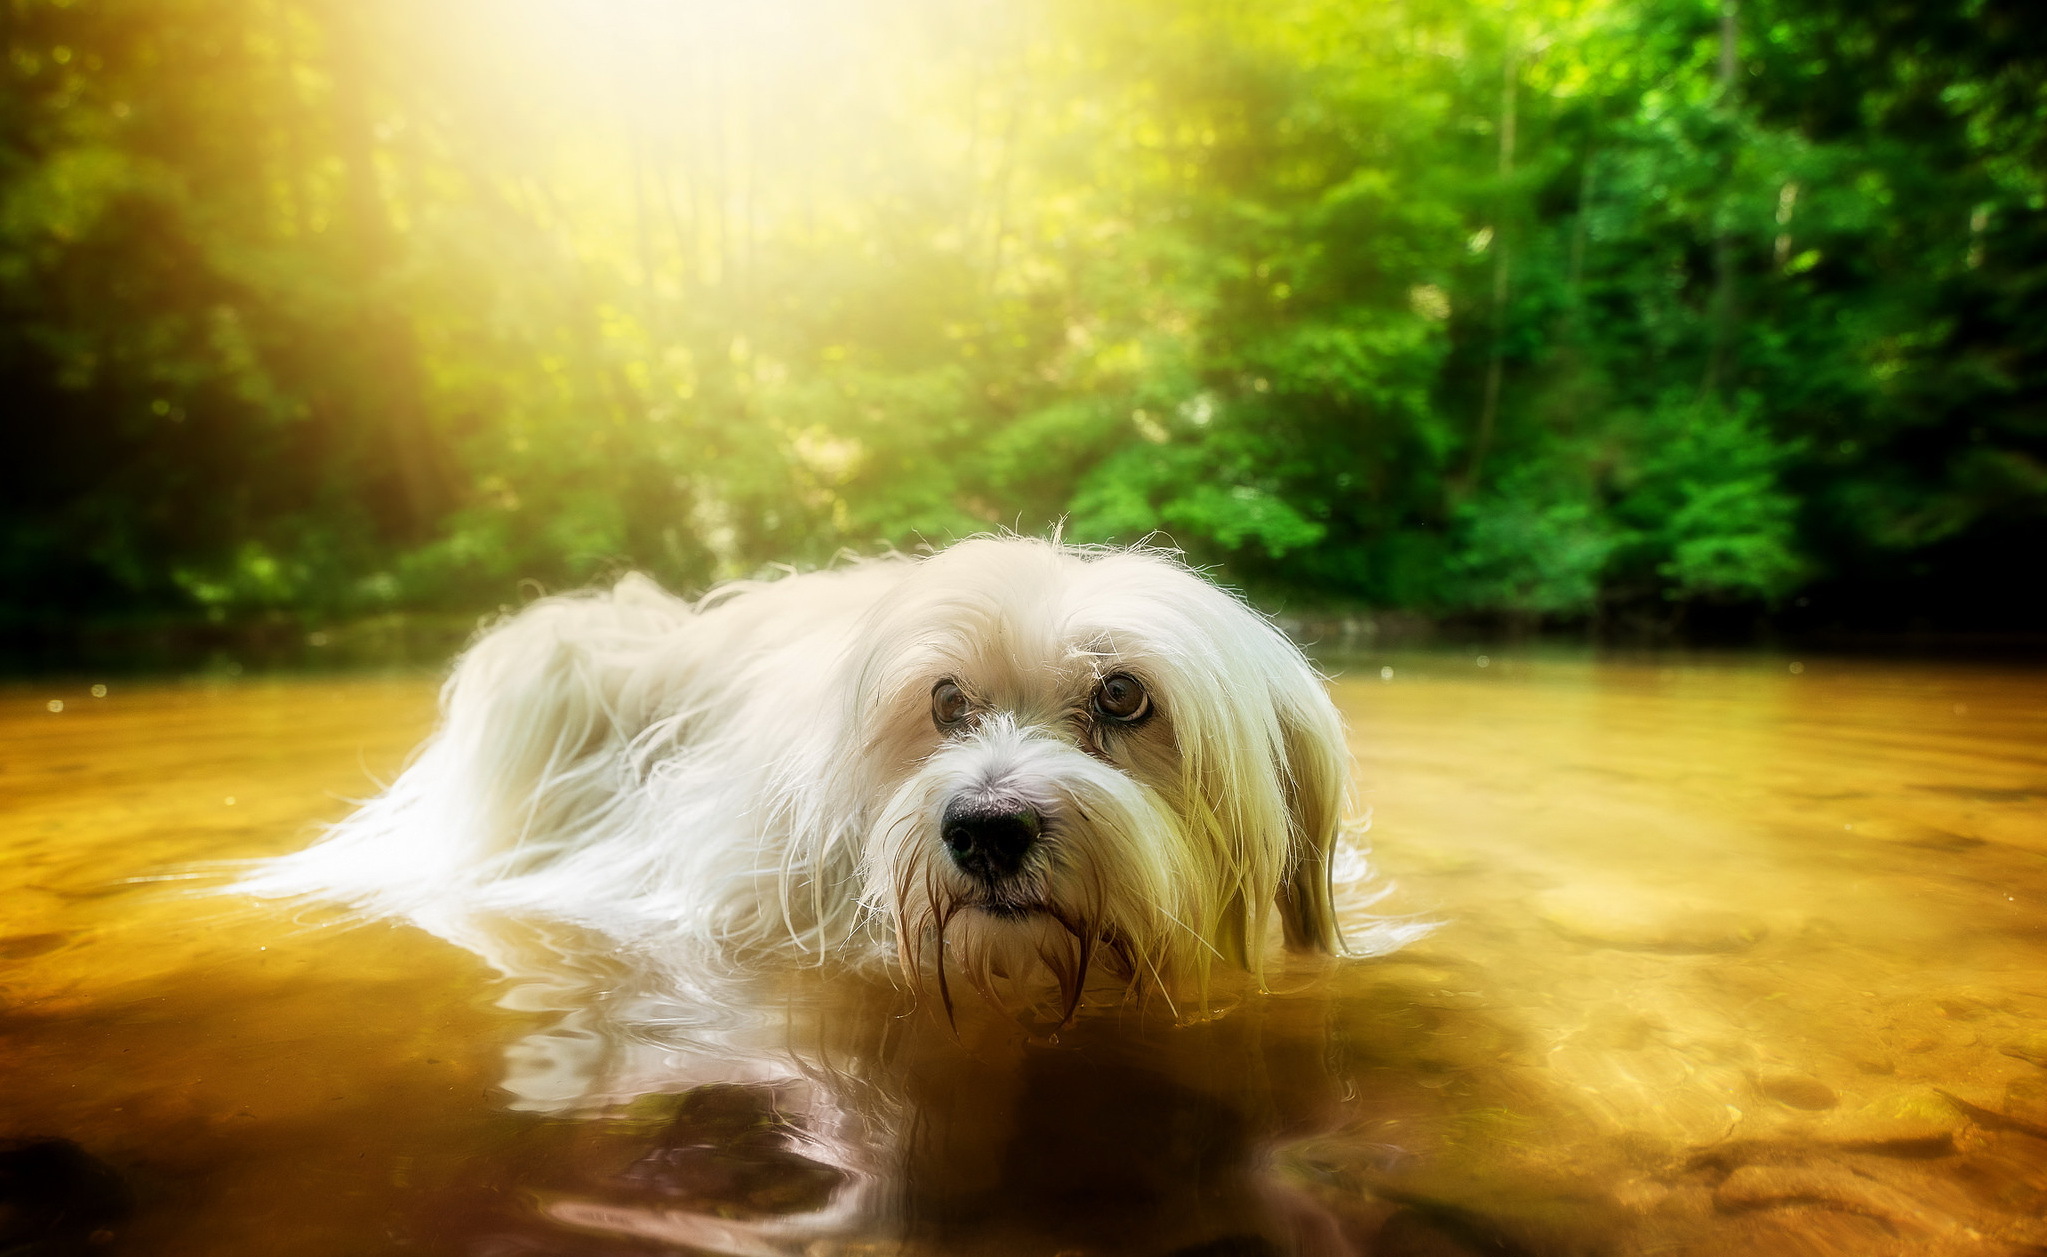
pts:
[1015, 758]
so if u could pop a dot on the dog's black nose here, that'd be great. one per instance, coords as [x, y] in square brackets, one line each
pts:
[989, 842]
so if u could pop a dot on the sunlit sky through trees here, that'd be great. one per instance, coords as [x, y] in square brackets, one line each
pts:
[1644, 311]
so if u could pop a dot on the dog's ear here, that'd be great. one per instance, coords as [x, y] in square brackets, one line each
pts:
[1317, 786]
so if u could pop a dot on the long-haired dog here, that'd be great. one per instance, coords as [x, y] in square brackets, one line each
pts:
[1013, 759]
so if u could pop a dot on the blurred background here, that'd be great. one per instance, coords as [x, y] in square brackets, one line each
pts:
[1651, 317]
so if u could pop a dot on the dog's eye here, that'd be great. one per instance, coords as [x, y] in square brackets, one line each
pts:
[949, 704]
[1121, 699]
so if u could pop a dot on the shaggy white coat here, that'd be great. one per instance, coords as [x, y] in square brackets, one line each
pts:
[760, 770]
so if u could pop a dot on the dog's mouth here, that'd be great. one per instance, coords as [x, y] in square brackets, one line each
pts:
[1019, 908]
[1003, 909]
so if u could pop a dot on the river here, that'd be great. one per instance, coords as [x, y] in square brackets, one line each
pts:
[1729, 955]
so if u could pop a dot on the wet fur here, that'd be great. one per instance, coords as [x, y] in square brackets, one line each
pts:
[760, 770]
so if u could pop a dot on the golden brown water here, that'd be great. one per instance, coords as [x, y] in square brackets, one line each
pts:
[1733, 960]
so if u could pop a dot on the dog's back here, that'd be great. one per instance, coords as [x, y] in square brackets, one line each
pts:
[593, 750]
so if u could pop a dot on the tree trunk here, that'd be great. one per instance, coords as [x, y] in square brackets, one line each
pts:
[1720, 316]
[389, 388]
[1496, 359]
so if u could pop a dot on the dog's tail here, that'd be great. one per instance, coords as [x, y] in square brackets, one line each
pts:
[536, 725]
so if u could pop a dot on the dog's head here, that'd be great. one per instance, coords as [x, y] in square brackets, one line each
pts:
[1061, 756]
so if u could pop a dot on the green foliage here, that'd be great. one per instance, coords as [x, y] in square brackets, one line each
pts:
[1550, 312]
[1705, 504]
[1539, 542]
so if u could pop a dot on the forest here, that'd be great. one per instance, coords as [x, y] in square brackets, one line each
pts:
[1644, 315]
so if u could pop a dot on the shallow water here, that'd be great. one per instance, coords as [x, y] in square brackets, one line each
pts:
[1732, 959]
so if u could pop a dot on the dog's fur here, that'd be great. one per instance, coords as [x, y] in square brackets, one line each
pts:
[763, 769]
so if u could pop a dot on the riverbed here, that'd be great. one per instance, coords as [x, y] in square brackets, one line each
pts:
[1735, 954]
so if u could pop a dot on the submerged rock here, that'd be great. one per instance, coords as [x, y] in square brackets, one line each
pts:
[2029, 1047]
[1916, 1121]
[1800, 1091]
[56, 1199]
[2025, 1100]
[1634, 920]
[2021, 1107]
[28, 946]
[727, 1149]
[1831, 1187]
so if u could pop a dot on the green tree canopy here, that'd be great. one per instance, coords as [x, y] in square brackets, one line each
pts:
[1553, 310]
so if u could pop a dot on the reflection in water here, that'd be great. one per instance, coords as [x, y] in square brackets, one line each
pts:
[1733, 960]
[732, 1110]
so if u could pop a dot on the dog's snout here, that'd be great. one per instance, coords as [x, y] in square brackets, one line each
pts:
[989, 842]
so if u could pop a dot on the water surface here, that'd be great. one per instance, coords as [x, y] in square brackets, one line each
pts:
[1732, 959]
